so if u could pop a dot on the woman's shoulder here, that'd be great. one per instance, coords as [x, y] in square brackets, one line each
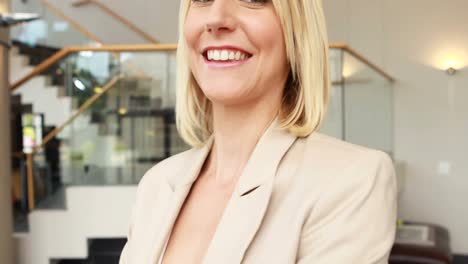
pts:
[330, 161]
[165, 169]
[326, 148]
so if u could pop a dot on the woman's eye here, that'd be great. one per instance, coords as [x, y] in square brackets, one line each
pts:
[247, 1]
[201, 2]
[256, 1]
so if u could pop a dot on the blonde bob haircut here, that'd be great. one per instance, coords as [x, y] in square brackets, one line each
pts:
[305, 96]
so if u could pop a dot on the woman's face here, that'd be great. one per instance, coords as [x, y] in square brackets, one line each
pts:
[236, 50]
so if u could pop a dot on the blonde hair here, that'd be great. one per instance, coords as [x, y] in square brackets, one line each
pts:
[306, 93]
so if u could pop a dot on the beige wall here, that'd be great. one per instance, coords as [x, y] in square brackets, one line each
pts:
[6, 225]
[409, 38]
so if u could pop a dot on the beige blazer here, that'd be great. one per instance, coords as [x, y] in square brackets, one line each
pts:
[307, 200]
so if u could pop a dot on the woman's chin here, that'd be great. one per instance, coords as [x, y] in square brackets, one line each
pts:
[225, 97]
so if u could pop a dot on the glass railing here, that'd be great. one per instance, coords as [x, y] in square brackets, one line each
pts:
[128, 129]
[53, 30]
[361, 101]
[120, 122]
[116, 123]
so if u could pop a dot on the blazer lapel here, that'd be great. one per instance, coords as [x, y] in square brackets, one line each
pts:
[179, 185]
[245, 210]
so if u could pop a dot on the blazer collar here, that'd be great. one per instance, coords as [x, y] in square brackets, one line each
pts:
[261, 165]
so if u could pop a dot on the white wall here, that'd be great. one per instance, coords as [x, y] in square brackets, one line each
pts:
[409, 39]
[91, 212]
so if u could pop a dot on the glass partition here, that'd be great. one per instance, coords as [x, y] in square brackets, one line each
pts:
[361, 103]
[123, 103]
[129, 128]
[51, 30]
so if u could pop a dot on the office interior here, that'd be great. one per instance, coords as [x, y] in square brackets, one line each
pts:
[87, 107]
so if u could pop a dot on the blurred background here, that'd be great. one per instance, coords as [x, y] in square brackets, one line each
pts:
[87, 106]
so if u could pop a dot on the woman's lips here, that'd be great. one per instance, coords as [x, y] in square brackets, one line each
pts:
[224, 64]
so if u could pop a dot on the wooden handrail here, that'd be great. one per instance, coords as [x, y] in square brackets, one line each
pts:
[127, 48]
[40, 68]
[71, 22]
[66, 51]
[357, 55]
[117, 16]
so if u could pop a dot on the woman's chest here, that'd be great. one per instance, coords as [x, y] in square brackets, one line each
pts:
[196, 224]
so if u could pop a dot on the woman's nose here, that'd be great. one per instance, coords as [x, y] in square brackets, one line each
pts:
[220, 17]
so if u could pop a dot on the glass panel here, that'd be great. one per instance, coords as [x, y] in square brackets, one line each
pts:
[368, 106]
[130, 128]
[361, 103]
[333, 122]
[50, 31]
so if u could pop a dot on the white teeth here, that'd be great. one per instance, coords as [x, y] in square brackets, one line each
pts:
[224, 55]
[216, 55]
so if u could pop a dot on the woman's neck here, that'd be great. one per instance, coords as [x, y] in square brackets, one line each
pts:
[236, 133]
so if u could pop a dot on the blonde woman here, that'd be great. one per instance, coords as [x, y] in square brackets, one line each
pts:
[260, 184]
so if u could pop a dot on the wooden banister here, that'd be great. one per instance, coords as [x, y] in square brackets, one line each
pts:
[40, 68]
[118, 17]
[66, 51]
[357, 55]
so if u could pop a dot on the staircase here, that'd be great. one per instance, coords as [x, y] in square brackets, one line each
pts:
[101, 251]
[43, 91]
[63, 234]
[103, 153]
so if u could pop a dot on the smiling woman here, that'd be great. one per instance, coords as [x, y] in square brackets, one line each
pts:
[260, 184]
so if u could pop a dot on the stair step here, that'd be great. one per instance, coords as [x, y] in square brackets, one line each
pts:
[27, 108]
[15, 99]
[114, 259]
[36, 53]
[69, 261]
[106, 246]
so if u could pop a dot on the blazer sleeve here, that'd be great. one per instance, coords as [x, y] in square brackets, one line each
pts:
[354, 220]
